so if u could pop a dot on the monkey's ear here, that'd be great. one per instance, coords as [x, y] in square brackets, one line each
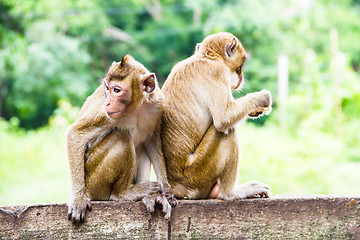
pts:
[113, 64]
[124, 59]
[230, 48]
[197, 47]
[148, 83]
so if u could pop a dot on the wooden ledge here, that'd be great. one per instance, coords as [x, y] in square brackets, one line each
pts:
[282, 217]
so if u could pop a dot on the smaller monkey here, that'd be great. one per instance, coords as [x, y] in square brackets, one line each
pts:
[115, 138]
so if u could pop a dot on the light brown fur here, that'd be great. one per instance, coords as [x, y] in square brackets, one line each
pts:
[114, 139]
[198, 126]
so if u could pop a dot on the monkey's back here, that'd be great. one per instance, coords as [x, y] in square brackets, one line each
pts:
[186, 117]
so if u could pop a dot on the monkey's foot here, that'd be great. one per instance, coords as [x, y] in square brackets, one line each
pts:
[171, 199]
[168, 192]
[139, 191]
[250, 189]
[151, 200]
[254, 189]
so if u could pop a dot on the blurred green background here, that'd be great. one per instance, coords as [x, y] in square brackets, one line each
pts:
[307, 53]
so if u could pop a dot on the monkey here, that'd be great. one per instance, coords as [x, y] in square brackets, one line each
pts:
[115, 138]
[198, 125]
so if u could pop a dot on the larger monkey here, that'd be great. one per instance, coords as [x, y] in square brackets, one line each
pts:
[198, 126]
[113, 140]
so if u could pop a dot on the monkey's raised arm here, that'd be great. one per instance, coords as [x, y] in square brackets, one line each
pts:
[227, 111]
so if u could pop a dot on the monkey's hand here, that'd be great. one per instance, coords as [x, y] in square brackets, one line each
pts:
[260, 113]
[262, 102]
[77, 209]
[151, 200]
[139, 191]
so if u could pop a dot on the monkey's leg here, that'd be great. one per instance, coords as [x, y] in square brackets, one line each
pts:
[109, 167]
[216, 159]
[227, 181]
[142, 186]
[204, 166]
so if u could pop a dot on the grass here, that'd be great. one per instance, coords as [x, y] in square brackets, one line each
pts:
[34, 168]
[307, 163]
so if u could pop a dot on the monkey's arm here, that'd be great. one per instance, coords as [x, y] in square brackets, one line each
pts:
[154, 149]
[78, 136]
[76, 151]
[226, 111]
[166, 199]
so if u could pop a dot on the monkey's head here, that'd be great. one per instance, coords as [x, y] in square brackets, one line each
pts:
[227, 48]
[126, 86]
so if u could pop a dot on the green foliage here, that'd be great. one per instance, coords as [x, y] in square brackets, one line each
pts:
[44, 63]
[47, 75]
[59, 49]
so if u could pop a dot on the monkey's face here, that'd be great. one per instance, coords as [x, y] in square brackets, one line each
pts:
[126, 85]
[118, 98]
[235, 56]
[231, 52]
[237, 81]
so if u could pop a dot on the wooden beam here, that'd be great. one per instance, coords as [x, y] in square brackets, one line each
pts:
[314, 217]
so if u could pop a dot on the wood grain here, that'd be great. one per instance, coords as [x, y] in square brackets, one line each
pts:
[311, 217]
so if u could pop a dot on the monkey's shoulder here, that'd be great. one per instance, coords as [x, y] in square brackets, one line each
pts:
[148, 114]
[143, 122]
[155, 99]
[92, 113]
[93, 102]
[196, 67]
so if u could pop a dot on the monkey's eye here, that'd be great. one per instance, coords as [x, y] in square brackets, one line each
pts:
[106, 87]
[117, 90]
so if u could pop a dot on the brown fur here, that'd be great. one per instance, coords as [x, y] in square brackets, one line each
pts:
[114, 139]
[198, 126]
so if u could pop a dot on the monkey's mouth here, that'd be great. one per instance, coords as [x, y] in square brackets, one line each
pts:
[113, 114]
[240, 77]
